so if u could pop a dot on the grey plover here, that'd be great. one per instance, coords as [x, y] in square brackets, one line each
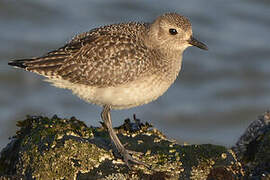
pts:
[118, 66]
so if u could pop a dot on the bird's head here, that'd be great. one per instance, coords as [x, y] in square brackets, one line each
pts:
[172, 32]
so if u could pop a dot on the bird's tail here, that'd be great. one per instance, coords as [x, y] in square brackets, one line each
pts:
[19, 63]
[45, 65]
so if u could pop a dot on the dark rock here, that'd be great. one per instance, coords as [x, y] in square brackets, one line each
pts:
[55, 148]
[253, 148]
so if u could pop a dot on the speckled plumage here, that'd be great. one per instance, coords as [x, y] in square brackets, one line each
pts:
[103, 57]
[134, 63]
[119, 66]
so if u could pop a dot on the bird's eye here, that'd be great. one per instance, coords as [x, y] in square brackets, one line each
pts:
[173, 31]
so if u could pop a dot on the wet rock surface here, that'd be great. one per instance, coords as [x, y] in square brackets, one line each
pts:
[56, 148]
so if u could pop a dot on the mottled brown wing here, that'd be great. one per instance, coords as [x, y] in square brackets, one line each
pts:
[102, 57]
[49, 63]
[106, 60]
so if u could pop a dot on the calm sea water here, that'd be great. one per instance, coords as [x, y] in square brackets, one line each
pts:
[217, 94]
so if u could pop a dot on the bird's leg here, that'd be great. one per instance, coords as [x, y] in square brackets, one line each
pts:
[106, 117]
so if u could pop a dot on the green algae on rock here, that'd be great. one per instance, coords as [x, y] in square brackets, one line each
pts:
[56, 148]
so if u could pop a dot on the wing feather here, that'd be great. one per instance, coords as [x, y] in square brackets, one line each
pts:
[102, 57]
[107, 61]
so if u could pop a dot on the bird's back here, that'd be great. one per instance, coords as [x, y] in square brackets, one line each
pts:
[103, 57]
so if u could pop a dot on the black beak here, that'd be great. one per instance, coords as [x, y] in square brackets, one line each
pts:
[194, 42]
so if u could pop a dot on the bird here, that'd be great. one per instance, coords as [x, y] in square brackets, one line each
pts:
[118, 66]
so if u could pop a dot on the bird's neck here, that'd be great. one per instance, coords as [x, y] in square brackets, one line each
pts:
[170, 60]
[174, 64]
[169, 65]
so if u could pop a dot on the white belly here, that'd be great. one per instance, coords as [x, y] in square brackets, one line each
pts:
[124, 96]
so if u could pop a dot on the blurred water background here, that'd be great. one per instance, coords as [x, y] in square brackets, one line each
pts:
[217, 95]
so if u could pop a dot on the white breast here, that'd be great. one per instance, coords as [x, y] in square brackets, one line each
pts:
[124, 96]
